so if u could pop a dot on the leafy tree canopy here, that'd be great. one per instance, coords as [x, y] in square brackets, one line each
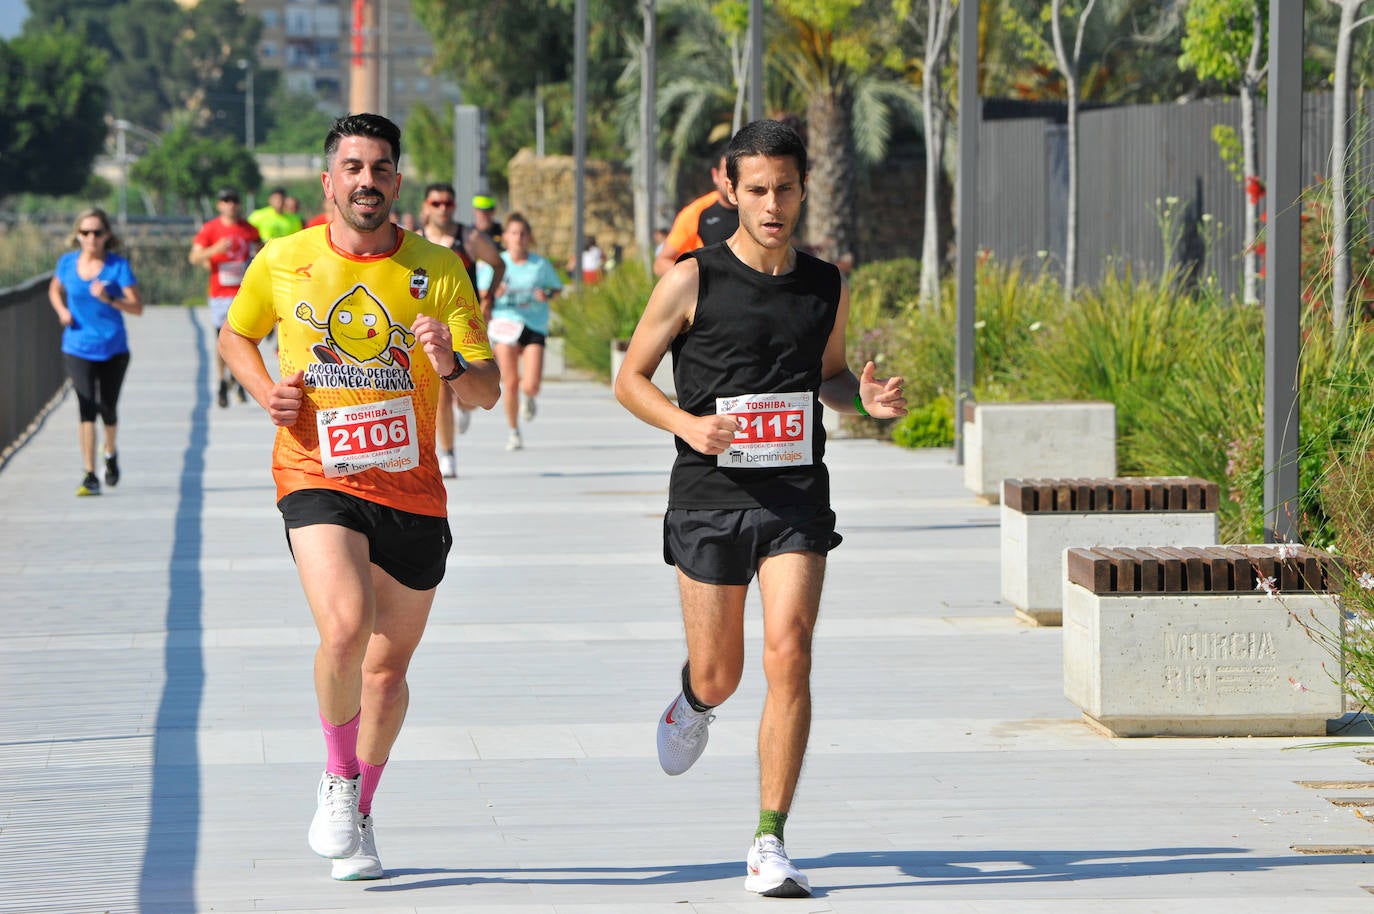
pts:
[164, 60]
[498, 53]
[52, 96]
[189, 166]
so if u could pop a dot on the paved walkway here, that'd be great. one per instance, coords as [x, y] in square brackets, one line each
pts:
[159, 749]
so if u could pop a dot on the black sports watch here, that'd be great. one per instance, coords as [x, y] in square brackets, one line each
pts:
[460, 365]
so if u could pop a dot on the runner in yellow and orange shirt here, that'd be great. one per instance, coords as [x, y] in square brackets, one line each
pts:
[371, 320]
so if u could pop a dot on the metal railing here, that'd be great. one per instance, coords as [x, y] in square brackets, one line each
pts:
[32, 377]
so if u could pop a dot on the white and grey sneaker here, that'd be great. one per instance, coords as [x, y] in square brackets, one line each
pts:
[334, 830]
[769, 871]
[364, 864]
[528, 409]
[682, 735]
[448, 465]
[464, 420]
[514, 442]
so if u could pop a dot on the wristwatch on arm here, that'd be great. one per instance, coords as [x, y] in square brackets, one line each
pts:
[460, 365]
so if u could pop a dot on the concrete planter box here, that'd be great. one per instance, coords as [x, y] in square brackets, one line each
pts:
[1037, 531]
[1184, 664]
[1004, 440]
[663, 375]
[555, 363]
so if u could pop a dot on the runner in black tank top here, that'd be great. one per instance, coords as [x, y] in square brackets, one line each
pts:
[756, 330]
[753, 333]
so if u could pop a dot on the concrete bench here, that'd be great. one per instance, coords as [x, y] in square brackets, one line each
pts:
[1184, 641]
[1048, 439]
[1043, 517]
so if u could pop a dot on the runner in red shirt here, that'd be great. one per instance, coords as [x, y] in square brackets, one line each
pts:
[224, 245]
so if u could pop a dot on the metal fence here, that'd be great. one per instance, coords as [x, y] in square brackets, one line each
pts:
[1131, 160]
[31, 375]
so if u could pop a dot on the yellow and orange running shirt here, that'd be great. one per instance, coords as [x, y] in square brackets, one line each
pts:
[367, 422]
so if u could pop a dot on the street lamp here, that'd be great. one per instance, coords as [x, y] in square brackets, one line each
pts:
[247, 67]
[122, 127]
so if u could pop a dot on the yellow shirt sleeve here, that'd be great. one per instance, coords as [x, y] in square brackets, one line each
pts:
[253, 313]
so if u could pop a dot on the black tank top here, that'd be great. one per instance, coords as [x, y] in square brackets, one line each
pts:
[753, 333]
[461, 250]
[716, 223]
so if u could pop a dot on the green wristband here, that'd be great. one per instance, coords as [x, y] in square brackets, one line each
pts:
[859, 405]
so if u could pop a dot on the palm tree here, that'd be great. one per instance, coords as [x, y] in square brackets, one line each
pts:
[841, 66]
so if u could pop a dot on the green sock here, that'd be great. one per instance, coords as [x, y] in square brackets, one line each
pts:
[770, 823]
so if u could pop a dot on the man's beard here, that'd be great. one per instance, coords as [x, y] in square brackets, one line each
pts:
[369, 222]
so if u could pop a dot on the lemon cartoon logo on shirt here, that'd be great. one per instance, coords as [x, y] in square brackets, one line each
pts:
[357, 349]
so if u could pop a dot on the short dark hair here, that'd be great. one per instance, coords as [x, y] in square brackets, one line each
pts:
[369, 125]
[764, 138]
[277, 190]
[442, 187]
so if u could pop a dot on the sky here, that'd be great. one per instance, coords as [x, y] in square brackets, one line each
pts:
[12, 16]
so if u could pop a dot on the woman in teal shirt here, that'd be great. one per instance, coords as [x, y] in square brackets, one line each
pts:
[520, 321]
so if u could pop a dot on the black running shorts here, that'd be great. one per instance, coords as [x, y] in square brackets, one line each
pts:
[412, 548]
[725, 546]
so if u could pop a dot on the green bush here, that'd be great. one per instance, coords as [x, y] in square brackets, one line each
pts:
[594, 315]
[929, 425]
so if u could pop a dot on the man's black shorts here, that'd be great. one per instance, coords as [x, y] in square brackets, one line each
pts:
[725, 546]
[412, 548]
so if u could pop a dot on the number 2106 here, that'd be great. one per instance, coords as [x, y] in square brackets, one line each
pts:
[368, 436]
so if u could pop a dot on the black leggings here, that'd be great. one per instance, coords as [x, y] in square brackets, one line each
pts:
[97, 385]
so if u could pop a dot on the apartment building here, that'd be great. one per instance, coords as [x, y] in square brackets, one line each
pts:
[312, 43]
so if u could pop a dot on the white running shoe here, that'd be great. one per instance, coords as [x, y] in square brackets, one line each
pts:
[768, 871]
[682, 735]
[334, 830]
[528, 409]
[464, 420]
[448, 465]
[514, 442]
[364, 864]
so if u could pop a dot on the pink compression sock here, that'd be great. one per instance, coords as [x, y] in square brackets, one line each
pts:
[371, 774]
[341, 746]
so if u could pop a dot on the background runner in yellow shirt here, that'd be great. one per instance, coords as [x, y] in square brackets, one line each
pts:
[371, 320]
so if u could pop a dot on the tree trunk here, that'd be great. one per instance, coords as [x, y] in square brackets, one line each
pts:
[1340, 207]
[939, 15]
[1249, 138]
[830, 187]
[930, 236]
[1071, 217]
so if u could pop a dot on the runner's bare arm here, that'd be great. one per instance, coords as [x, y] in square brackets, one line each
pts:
[882, 397]
[282, 399]
[480, 385]
[481, 247]
[668, 313]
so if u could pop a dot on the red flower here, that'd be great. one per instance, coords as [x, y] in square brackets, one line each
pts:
[1254, 188]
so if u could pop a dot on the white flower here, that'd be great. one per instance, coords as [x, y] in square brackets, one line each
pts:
[1172, 201]
[1042, 253]
[1287, 550]
[979, 325]
[1366, 581]
[1206, 217]
[1298, 686]
[1035, 326]
[1267, 585]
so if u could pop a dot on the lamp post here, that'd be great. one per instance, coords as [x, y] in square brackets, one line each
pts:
[247, 67]
[122, 127]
